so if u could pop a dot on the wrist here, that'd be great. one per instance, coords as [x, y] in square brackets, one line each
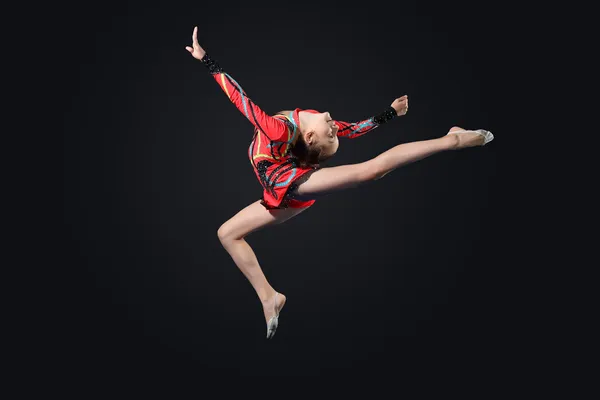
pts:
[212, 65]
[386, 115]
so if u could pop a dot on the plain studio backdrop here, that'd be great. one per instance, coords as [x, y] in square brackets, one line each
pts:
[413, 271]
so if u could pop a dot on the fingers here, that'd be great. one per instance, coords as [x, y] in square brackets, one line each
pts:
[195, 35]
[188, 48]
[403, 104]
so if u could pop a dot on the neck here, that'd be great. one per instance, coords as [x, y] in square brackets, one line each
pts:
[309, 156]
[307, 121]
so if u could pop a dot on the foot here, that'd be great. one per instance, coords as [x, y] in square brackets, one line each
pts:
[467, 138]
[271, 308]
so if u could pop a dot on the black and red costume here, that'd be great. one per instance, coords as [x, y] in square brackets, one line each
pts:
[274, 136]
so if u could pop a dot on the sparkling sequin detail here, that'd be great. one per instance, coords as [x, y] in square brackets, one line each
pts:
[388, 114]
[212, 65]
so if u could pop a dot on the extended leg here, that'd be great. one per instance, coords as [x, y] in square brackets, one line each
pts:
[328, 180]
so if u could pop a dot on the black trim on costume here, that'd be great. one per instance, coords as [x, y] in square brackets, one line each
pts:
[253, 144]
[280, 174]
[291, 128]
[255, 119]
[212, 65]
[345, 129]
[262, 167]
[283, 164]
[386, 115]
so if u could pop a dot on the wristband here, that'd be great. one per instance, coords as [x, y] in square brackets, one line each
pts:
[212, 65]
[385, 116]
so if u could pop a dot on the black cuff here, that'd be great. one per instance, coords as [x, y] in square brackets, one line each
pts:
[385, 116]
[212, 65]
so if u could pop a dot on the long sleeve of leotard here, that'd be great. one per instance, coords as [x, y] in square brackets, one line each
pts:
[355, 129]
[274, 128]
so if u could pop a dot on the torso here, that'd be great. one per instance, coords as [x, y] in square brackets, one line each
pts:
[275, 165]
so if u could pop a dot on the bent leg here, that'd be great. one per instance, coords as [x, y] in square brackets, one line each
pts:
[232, 234]
[332, 179]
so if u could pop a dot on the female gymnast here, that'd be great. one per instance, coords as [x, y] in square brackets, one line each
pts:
[285, 153]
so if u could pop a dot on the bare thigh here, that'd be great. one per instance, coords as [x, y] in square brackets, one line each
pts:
[329, 180]
[333, 179]
[253, 218]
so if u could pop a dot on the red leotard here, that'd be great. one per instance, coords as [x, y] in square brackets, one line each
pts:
[269, 152]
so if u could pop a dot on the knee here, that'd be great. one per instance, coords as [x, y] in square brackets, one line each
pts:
[224, 233]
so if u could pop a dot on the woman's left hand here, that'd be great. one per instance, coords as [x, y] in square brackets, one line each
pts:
[401, 105]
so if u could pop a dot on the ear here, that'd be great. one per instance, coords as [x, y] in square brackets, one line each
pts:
[309, 137]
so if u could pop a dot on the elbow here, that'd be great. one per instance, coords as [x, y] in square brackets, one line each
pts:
[369, 175]
[372, 171]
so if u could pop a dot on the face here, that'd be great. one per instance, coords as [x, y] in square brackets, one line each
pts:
[325, 135]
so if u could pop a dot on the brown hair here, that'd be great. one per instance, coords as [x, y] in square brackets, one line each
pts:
[308, 156]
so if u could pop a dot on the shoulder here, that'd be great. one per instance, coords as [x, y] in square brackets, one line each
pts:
[285, 117]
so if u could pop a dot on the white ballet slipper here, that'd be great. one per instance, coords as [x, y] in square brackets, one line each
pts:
[487, 135]
[273, 321]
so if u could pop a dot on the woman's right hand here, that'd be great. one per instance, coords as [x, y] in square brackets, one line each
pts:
[196, 51]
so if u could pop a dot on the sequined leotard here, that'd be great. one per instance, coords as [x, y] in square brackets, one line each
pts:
[270, 150]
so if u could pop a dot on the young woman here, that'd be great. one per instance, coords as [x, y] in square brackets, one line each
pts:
[285, 153]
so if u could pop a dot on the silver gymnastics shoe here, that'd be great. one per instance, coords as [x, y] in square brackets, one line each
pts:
[274, 320]
[487, 135]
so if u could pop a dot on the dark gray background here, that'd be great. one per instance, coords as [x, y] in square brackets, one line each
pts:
[412, 273]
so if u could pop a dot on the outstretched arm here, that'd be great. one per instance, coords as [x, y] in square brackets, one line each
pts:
[274, 128]
[355, 129]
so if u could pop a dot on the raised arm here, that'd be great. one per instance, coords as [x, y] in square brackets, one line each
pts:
[274, 128]
[355, 129]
